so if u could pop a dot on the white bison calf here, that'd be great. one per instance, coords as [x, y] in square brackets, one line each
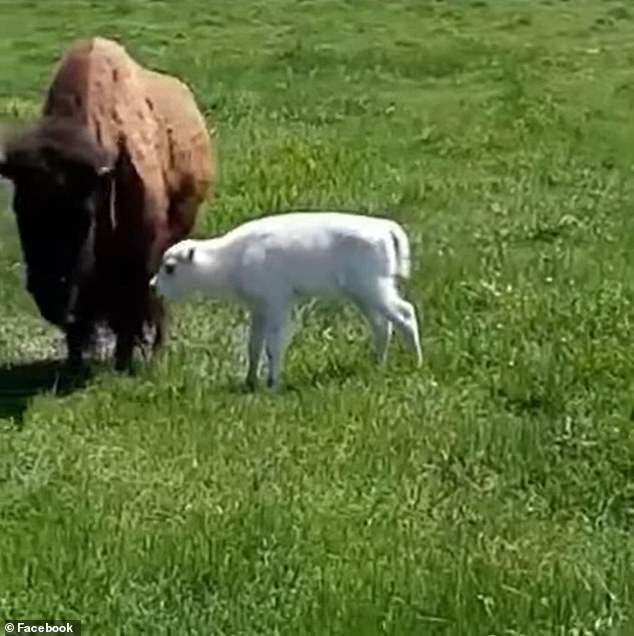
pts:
[270, 264]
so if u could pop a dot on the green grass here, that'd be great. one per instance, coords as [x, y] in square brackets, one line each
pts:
[489, 493]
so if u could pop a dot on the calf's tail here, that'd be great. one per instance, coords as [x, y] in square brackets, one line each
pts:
[401, 249]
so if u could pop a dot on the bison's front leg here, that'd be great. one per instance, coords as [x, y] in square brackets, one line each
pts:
[136, 309]
[127, 324]
[124, 351]
[77, 339]
[159, 321]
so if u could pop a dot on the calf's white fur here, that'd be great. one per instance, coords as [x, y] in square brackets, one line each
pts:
[271, 263]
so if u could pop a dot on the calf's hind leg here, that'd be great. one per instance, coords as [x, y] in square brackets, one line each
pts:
[256, 343]
[402, 314]
[381, 330]
[275, 328]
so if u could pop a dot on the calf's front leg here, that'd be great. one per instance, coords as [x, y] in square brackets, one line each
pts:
[256, 343]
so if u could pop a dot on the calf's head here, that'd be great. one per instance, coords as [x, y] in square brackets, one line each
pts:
[60, 177]
[177, 274]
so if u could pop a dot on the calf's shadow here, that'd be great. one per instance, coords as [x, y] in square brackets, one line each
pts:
[22, 381]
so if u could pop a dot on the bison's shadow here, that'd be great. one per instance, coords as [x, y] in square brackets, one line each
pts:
[21, 382]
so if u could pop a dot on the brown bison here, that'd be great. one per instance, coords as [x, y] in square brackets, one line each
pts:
[109, 177]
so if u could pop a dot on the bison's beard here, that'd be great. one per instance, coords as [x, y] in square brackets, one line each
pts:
[59, 294]
[56, 301]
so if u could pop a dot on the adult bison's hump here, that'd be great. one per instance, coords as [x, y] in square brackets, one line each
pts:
[151, 115]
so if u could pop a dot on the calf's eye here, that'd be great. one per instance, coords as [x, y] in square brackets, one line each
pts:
[169, 268]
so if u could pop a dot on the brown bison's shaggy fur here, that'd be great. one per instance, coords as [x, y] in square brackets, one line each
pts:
[110, 176]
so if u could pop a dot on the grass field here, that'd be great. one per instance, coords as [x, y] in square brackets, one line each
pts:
[489, 493]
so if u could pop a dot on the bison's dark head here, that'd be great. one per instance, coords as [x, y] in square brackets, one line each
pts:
[60, 179]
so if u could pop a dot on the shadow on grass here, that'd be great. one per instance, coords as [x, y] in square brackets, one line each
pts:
[334, 372]
[307, 379]
[21, 382]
